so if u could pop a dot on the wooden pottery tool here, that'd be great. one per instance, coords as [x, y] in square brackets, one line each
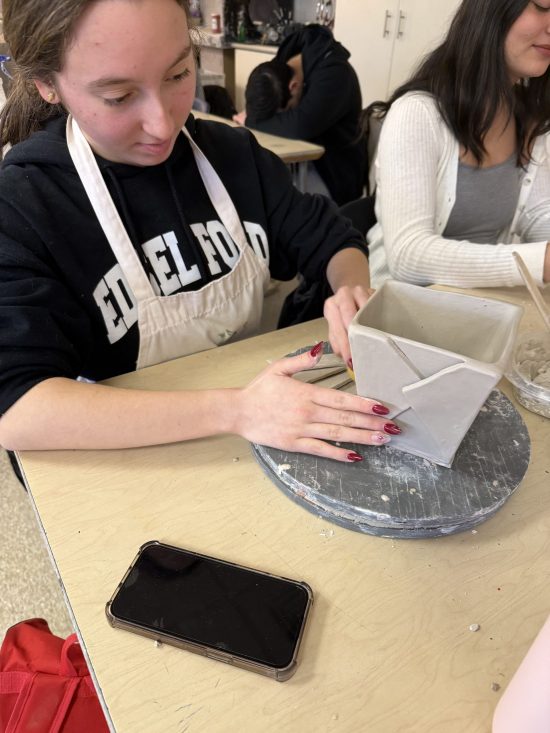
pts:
[532, 287]
[330, 372]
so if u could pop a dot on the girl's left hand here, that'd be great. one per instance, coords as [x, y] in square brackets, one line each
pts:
[339, 310]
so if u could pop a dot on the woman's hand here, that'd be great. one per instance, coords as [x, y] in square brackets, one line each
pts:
[240, 117]
[285, 413]
[348, 275]
[339, 311]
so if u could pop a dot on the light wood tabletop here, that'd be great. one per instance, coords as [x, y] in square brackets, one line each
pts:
[388, 648]
[288, 149]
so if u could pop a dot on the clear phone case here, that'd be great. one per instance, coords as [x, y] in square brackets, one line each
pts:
[278, 673]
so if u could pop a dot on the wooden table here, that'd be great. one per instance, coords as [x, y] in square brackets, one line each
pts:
[388, 648]
[292, 152]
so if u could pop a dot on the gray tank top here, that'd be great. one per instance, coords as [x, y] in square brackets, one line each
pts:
[486, 199]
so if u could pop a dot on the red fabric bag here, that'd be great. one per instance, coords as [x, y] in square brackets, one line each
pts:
[45, 685]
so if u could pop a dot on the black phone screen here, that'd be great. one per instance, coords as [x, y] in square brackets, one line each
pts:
[213, 603]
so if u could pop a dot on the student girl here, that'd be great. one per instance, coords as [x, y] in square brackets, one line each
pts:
[463, 166]
[131, 234]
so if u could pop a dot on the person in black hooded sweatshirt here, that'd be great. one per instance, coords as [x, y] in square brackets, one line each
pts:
[310, 92]
[131, 234]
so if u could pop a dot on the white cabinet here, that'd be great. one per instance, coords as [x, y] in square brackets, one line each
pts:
[247, 57]
[388, 38]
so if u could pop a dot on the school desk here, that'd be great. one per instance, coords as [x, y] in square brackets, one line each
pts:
[389, 646]
[295, 153]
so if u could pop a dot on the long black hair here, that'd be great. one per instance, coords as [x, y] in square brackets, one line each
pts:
[470, 81]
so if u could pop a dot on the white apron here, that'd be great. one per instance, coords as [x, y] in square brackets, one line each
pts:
[170, 326]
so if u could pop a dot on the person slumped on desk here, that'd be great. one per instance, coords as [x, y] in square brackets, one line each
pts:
[131, 234]
[463, 165]
[310, 91]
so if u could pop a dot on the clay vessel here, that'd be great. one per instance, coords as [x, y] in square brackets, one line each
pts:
[432, 357]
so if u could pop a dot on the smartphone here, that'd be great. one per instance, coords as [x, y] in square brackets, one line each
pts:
[216, 608]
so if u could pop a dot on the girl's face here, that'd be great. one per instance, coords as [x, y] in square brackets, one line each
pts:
[527, 45]
[128, 78]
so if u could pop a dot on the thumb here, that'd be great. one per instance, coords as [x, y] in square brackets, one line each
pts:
[294, 364]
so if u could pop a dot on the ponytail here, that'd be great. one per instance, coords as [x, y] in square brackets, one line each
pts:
[24, 111]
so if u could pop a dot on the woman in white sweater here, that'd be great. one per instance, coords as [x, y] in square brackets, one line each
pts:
[463, 165]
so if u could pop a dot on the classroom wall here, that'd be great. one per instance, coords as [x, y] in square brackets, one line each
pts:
[304, 10]
[208, 7]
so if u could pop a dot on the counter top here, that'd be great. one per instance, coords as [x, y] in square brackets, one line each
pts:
[218, 40]
[258, 47]
[211, 40]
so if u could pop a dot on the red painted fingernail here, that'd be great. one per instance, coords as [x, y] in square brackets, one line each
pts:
[350, 364]
[380, 410]
[317, 349]
[354, 457]
[391, 429]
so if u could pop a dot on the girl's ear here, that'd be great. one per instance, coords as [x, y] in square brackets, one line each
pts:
[293, 86]
[47, 91]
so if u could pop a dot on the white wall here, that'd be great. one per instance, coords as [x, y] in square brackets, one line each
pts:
[304, 10]
[208, 7]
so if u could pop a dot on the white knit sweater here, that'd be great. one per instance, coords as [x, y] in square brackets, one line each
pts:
[416, 175]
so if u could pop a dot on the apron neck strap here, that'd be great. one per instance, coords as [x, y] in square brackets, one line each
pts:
[217, 192]
[106, 212]
[110, 221]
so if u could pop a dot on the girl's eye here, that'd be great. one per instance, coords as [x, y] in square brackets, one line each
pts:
[116, 101]
[182, 75]
[541, 8]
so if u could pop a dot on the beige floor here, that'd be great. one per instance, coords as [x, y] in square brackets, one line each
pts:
[29, 586]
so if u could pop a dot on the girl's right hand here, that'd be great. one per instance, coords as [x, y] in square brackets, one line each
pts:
[285, 413]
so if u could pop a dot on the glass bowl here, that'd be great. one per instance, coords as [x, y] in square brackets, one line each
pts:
[529, 371]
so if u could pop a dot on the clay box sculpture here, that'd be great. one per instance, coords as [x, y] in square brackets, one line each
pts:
[432, 357]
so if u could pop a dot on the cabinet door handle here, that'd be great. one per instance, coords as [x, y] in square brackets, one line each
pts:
[387, 19]
[402, 18]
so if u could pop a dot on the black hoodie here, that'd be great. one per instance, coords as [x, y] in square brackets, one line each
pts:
[60, 288]
[328, 112]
